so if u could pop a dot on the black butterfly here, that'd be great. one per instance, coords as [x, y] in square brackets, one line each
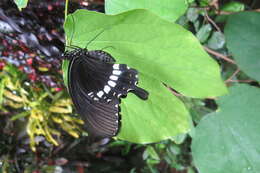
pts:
[96, 84]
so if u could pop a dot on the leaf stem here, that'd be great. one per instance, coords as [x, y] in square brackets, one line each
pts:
[228, 13]
[66, 9]
[242, 81]
[65, 15]
[219, 55]
[211, 21]
[233, 75]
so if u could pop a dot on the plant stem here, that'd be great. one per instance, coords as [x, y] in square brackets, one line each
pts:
[66, 14]
[233, 75]
[66, 9]
[242, 81]
[211, 21]
[219, 55]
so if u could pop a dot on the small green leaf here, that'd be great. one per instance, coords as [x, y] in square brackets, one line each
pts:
[192, 14]
[204, 32]
[233, 7]
[243, 40]
[65, 65]
[152, 153]
[230, 7]
[21, 3]
[178, 139]
[12, 96]
[205, 2]
[60, 110]
[162, 52]
[168, 9]
[216, 41]
[2, 87]
[228, 141]
[20, 115]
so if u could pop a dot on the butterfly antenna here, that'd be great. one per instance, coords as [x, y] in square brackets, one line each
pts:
[108, 47]
[94, 38]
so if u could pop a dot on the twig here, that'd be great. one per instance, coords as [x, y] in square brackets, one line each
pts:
[228, 13]
[233, 75]
[242, 81]
[211, 21]
[7, 113]
[219, 55]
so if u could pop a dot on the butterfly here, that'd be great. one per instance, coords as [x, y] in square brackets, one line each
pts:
[96, 84]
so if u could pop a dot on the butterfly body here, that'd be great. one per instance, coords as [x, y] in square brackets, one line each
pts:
[96, 84]
[98, 55]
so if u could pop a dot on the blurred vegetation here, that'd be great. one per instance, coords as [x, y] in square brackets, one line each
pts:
[40, 130]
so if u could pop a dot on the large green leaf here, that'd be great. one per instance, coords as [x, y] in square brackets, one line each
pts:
[243, 40]
[162, 52]
[168, 9]
[228, 141]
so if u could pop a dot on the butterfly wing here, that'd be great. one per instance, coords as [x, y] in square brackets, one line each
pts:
[102, 119]
[116, 80]
[96, 85]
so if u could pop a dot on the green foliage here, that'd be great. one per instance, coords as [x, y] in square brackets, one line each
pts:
[227, 141]
[204, 33]
[21, 3]
[168, 9]
[204, 3]
[6, 167]
[216, 41]
[224, 130]
[33, 103]
[233, 6]
[244, 41]
[177, 157]
[145, 46]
